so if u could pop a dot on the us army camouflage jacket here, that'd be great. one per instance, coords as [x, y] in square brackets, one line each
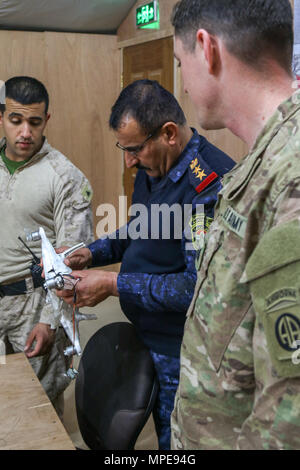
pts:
[48, 191]
[240, 372]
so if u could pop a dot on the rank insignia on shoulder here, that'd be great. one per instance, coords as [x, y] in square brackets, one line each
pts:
[200, 176]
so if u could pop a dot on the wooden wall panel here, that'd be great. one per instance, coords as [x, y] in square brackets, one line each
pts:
[82, 75]
[22, 53]
[86, 74]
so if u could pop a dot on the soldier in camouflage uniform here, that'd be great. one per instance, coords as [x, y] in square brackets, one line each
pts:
[239, 382]
[38, 187]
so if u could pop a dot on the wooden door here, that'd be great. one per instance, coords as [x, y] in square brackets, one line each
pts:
[153, 60]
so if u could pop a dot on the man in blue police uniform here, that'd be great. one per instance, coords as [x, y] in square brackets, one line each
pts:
[177, 168]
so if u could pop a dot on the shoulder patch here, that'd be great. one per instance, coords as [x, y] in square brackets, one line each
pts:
[287, 330]
[201, 175]
[199, 225]
[87, 192]
[285, 296]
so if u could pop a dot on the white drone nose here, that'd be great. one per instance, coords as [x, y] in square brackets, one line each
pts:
[33, 236]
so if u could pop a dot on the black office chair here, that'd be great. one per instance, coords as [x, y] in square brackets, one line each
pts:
[116, 388]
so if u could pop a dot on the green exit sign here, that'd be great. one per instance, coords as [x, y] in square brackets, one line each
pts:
[146, 14]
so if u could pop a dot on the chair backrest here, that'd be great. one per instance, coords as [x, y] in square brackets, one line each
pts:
[115, 389]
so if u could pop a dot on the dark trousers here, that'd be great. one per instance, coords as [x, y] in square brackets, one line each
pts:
[167, 370]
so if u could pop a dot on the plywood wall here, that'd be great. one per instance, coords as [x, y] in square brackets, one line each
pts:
[128, 35]
[82, 75]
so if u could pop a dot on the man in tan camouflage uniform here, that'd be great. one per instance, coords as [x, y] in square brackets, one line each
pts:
[38, 187]
[240, 378]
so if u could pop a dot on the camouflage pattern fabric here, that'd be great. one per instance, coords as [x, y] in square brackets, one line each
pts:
[239, 383]
[48, 191]
[22, 313]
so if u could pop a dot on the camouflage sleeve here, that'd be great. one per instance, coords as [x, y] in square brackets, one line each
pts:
[288, 203]
[72, 210]
[273, 273]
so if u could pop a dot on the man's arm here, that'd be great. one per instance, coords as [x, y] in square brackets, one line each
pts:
[109, 250]
[95, 285]
[149, 291]
[72, 211]
[273, 273]
[43, 337]
[102, 252]
[72, 219]
[172, 291]
[160, 292]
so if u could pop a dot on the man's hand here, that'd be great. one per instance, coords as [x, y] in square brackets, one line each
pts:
[44, 337]
[80, 259]
[93, 287]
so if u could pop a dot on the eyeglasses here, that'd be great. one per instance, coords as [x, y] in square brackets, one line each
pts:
[134, 151]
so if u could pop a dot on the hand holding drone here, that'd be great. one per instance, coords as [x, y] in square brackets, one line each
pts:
[57, 277]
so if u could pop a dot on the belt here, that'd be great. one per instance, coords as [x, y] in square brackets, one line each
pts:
[15, 288]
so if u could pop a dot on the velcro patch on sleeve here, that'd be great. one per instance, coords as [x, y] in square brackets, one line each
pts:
[278, 309]
[87, 192]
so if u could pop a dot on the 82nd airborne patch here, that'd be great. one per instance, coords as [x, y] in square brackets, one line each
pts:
[287, 330]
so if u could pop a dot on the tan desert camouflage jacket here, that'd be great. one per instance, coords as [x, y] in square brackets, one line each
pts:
[49, 192]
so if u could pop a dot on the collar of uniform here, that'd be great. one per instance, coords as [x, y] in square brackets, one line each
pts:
[252, 160]
[2, 143]
[283, 113]
[46, 148]
[189, 153]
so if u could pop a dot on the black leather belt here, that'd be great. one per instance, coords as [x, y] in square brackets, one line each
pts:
[15, 288]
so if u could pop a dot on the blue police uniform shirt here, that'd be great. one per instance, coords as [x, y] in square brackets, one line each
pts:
[157, 277]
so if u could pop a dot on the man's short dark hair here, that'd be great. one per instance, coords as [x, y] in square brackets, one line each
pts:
[26, 90]
[252, 30]
[149, 104]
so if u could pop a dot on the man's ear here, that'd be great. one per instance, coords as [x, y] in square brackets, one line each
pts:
[170, 130]
[47, 119]
[210, 48]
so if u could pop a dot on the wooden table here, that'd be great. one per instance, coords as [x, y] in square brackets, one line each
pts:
[27, 417]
